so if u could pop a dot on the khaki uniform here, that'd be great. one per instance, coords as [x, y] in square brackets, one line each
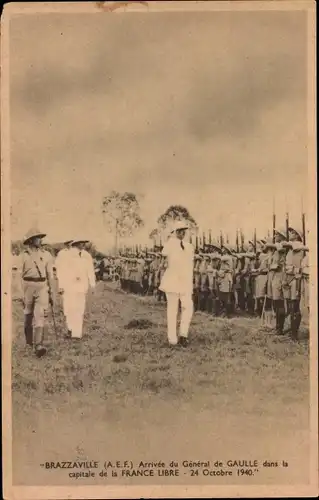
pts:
[277, 274]
[37, 279]
[262, 276]
[139, 275]
[196, 282]
[248, 281]
[159, 276]
[204, 286]
[305, 281]
[212, 275]
[125, 274]
[154, 265]
[292, 285]
[225, 282]
[292, 280]
[276, 278]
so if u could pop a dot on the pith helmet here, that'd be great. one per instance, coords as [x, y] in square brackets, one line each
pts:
[215, 247]
[297, 231]
[33, 233]
[282, 232]
[227, 247]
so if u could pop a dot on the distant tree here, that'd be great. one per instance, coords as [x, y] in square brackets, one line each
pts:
[176, 212]
[154, 235]
[121, 215]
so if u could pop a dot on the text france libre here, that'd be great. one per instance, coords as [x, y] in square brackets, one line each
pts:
[125, 468]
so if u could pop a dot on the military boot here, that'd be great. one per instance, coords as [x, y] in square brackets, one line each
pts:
[40, 350]
[28, 329]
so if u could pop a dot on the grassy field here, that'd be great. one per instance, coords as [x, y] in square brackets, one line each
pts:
[237, 392]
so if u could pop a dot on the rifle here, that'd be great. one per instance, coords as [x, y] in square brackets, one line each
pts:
[303, 220]
[221, 239]
[273, 222]
[242, 240]
[210, 237]
[287, 226]
[255, 240]
[196, 244]
[204, 240]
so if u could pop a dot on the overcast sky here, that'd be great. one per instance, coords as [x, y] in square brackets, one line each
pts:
[207, 110]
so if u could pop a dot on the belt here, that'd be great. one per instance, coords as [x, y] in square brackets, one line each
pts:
[35, 280]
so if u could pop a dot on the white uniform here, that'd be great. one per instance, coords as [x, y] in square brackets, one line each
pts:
[177, 283]
[76, 276]
[61, 265]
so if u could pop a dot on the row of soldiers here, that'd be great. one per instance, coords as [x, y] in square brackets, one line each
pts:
[270, 277]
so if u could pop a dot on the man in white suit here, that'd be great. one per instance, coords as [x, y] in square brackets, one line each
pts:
[75, 279]
[177, 283]
[61, 264]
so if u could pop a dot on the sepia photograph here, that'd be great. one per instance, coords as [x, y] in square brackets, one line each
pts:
[159, 249]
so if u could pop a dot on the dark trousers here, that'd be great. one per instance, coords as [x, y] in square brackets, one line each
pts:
[225, 300]
[203, 300]
[250, 301]
[196, 299]
[295, 316]
[279, 308]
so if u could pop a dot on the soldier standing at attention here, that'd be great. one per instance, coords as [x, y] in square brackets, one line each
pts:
[238, 292]
[225, 280]
[204, 289]
[276, 277]
[139, 274]
[196, 280]
[212, 273]
[263, 303]
[37, 285]
[250, 278]
[152, 274]
[159, 276]
[292, 282]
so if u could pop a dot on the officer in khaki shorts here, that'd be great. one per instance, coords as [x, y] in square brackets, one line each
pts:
[37, 285]
[292, 281]
[276, 279]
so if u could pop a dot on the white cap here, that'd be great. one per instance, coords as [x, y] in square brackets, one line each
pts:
[179, 225]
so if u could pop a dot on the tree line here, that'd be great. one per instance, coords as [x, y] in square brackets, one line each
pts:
[121, 213]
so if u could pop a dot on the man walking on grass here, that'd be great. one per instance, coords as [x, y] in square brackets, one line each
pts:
[61, 265]
[177, 283]
[75, 281]
[37, 285]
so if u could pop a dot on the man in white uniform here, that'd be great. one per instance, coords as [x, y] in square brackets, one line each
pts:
[61, 265]
[74, 282]
[177, 283]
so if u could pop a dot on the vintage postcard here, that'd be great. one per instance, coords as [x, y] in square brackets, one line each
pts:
[159, 250]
